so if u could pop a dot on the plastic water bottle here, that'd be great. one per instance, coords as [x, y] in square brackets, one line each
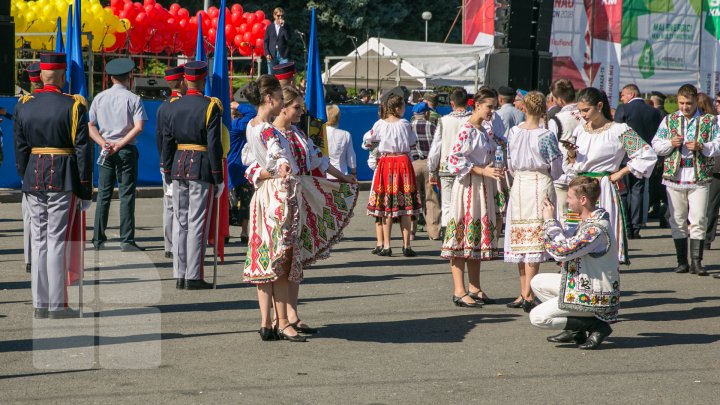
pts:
[499, 158]
[102, 157]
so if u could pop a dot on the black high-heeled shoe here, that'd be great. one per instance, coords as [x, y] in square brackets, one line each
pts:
[480, 300]
[385, 252]
[296, 338]
[527, 306]
[377, 250]
[515, 304]
[458, 301]
[408, 252]
[303, 329]
[267, 334]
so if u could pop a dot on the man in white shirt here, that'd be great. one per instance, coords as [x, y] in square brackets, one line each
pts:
[340, 147]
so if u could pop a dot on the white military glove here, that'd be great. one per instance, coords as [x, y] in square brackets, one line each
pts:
[220, 189]
[169, 190]
[85, 205]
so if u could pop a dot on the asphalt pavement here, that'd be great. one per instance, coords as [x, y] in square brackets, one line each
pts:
[389, 332]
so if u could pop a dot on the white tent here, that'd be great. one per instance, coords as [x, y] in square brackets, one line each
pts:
[422, 65]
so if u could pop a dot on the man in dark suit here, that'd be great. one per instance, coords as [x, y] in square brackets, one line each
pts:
[645, 120]
[277, 40]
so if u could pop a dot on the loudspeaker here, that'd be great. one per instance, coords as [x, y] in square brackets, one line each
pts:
[5, 7]
[152, 88]
[7, 57]
[542, 71]
[513, 28]
[335, 93]
[510, 67]
[543, 24]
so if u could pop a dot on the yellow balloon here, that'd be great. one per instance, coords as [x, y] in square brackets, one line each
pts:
[109, 40]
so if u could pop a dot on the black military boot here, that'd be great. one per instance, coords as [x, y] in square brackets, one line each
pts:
[568, 336]
[681, 252]
[696, 253]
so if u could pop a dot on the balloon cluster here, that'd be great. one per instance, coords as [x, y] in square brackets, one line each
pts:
[145, 27]
[41, 16]
[156, 29]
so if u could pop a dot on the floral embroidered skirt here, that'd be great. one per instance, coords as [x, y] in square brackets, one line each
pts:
[297, 219]
[470, 233]
[394, 191]
[523, 225]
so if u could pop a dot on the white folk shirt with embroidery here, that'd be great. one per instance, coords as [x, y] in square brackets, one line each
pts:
[473, 147]
[393, 137]
[266, 152]
[533, 150]
[444, 138]
[570, 118]
[604, 149]
[685, 176]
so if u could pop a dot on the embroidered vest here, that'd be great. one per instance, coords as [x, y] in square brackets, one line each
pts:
[703, 131]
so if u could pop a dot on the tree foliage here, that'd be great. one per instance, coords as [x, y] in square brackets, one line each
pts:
[360, 18]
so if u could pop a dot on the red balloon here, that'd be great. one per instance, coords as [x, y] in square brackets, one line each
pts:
[229, 31]
[260, 15]
[148, 8]
[247, 37]
[127, 7]
[213, 11]
[183, 24]
[244, 50]
[236, 18]
[149, 2]
[183, 13]
[140, 18]
[236, 8]
[250, 19]
[258, 29]
[174, 7]
[259, 46]
[193, 20]
[213, 22]
[115, 3]
[238, 41]
[211, 34]
[244, 28]
[266, 22]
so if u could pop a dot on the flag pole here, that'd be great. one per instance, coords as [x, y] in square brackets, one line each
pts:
[81, 259]
[215, 244]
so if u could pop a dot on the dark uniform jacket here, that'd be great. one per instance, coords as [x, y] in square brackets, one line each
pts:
[51, 119]
[641, 117]
[162, 115]
[196, 120]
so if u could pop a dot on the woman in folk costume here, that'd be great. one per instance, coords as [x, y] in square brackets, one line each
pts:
[372, 148]
[600, 148]
[394, 192]
[534, 160]
[274, 257]
[470, 234]
[323, 206]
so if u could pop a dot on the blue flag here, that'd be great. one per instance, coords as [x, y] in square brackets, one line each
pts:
[59, 46]
[220, 80]
[68, 46]
[200, 50]
[78, 85]
[314, 91]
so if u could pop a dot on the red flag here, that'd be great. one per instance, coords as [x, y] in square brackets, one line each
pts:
[224, 230]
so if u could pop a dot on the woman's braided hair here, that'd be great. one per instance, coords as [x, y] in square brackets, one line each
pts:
[535, 105]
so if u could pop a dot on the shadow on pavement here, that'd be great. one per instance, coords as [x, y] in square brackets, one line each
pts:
[396, 260]
[665, 316]
[356, 278]
[69, 342]
[6, 377]
[429, 330]
[15, 285]
[656, 339]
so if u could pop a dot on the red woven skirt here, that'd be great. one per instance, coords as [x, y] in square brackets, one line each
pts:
[394, 191]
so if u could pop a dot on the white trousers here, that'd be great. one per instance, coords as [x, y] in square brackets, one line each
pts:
[688, 204]
[561, 204]
[446, 185]
[168, 216]
[27, 234]
[548, 315]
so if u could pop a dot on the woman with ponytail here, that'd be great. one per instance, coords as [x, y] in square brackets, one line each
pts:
[600, 148]
[534, 160]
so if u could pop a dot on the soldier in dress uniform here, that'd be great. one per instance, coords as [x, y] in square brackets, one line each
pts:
[192, 149]
[53, 155]
[33, 71]
[175, 78]
[117, 117]
[285, 73]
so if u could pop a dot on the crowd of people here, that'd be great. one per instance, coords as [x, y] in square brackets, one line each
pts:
[565, 181]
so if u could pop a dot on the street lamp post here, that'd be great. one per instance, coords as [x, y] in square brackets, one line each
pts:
[427, 16]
